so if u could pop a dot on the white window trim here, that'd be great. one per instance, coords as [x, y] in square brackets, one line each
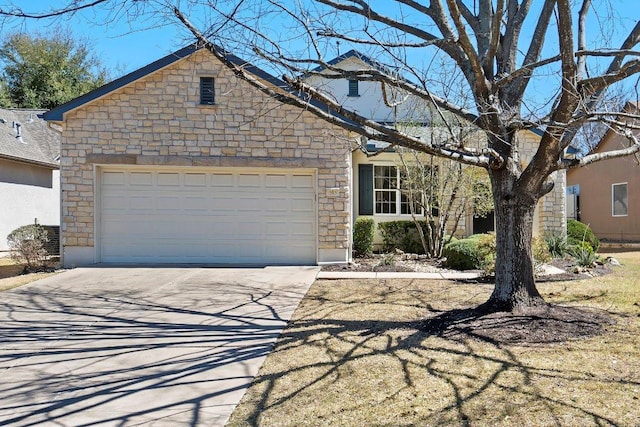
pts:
[397, 191]
[626, 184]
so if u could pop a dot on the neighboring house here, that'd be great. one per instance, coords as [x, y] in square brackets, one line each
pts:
[29, 172]
[606, 194]
[183, 162]
[373, 197]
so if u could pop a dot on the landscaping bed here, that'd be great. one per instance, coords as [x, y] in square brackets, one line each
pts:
[423, 264]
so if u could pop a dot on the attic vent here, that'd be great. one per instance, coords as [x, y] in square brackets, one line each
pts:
[353, 88]
[207, 91]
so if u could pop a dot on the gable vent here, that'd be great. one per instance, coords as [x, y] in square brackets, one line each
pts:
[207, 91]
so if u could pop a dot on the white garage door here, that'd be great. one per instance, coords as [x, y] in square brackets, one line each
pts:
[207, 216]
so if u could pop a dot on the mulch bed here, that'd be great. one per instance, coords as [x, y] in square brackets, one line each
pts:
[381, 263]
[547, 324]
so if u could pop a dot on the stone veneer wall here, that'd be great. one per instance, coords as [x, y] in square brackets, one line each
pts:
[551, 208]
[158, 121]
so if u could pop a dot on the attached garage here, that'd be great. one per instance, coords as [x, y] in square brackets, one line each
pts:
[182, 162]
[201, 215]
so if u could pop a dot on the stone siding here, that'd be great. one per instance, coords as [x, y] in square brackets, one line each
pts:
[551, 208]
[158, 120]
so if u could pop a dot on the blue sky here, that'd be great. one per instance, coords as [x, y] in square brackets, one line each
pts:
[123, 49]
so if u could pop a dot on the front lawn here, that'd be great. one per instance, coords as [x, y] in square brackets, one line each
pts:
[356, 354]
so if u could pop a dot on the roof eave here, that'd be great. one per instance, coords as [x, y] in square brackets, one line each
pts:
[52, 165]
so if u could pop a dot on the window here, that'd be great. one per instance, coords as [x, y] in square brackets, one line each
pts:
[619, 199]
[207, 91]
[388, 197]
[353, 88]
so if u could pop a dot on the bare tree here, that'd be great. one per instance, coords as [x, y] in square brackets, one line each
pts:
[441, 191]
[498, 50]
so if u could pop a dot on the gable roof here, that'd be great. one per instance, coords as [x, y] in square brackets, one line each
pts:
[25, 137]
[358, 55]
[57, 114]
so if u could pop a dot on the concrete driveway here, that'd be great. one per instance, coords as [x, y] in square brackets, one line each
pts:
[140, 346]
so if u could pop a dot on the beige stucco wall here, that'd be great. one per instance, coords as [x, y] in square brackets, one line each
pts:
[158, 121]
[595, 182]
[27, 193]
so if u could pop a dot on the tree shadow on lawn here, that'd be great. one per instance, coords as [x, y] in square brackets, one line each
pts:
[457, 367]
[124, 358]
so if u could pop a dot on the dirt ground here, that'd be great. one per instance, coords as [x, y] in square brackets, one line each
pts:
[12, 275]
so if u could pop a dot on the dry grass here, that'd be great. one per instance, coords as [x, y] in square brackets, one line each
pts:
[11, 275]
[353, 356]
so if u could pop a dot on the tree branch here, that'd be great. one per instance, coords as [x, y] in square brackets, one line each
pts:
[19, 13]
[614, 154]
[343, 118]
[582, 38]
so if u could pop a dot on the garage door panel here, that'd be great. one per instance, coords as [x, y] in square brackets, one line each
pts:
[303, 205]
[208, 216]
[195, 204]
[275, 181]
[168, 179]
[249, 180]
[302, 229]
[222, 180]
[195, 180]
[302, 181]
[144, 179]
[113, 178]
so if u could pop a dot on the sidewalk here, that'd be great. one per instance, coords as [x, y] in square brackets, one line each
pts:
[547, 270]
[395, 275]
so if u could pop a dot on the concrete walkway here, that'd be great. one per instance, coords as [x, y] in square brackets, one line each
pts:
[140, 346]
[458, 275]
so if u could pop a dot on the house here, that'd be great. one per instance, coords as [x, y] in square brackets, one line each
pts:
[29, 172]
[605, 194]
[183, 162]
[420, 119]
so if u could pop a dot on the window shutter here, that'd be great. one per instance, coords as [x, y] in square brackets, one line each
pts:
[365, 189]
[207, 91]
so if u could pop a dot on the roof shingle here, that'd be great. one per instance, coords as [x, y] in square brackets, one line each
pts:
[37, 143]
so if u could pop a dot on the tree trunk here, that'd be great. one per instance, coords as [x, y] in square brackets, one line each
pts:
[515, 287]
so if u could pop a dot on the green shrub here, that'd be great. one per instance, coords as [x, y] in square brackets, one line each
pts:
[584, 254]
[462, 254]
[579, 232]
[487, 251]
[541, 254]
[580, 247]
[27, 246]
[363, 233]
[557, 244]
[479, 252]
[540, 251]
[402, 235]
